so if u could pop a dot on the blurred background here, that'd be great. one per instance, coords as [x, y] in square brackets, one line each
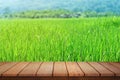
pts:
[58, 8]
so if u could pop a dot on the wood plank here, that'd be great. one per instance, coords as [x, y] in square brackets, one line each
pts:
[73, 69]
[77, 78]
[1, 63]
[44, 78]
[6, 66]
[60, 78]
[101, 69]
[116, 64]
[31, 69]
[45, 69]
[20, 78]
[60, 69]
[112, 68]
[15, 69]
[95, 78]
[87, 69]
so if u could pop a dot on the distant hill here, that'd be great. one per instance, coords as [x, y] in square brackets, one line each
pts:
[16, 8]
[9, 6]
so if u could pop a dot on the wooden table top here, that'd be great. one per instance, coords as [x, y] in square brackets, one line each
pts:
[59, 69]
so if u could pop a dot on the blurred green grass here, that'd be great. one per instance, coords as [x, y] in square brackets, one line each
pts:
[82, 39]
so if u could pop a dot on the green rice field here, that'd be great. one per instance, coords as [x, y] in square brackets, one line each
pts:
[82, 39]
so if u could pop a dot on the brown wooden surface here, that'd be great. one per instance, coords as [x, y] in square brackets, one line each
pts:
[112, 68]
[15, 69]
[59, 71]
[116, 64]
[79, 78]
[6, 66]
[74, 69]
[1, 63]
[30, 70]
[101, 69]
[45, 69]
[88, 69]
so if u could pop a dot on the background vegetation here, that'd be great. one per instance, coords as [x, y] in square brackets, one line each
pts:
[58, 8]
[83, 39]
[60, 30]
[56, 14]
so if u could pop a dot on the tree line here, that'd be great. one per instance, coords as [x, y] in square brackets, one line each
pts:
[56, 14]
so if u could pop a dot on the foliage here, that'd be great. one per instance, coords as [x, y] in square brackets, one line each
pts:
[36, 8]
[57, 14]
[84, 39]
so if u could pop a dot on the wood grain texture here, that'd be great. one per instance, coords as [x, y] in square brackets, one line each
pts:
[101, 69]
[31, 69]
[60, 69]
[112, 68]
[44, 78]
[60, 78]
[87, 69]
[115, 64]
[1, 63]
[45, 69]
[6, 66]
[95, 78]
[20, 78]
[74, 69]
[80, 78]
[15, 69]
